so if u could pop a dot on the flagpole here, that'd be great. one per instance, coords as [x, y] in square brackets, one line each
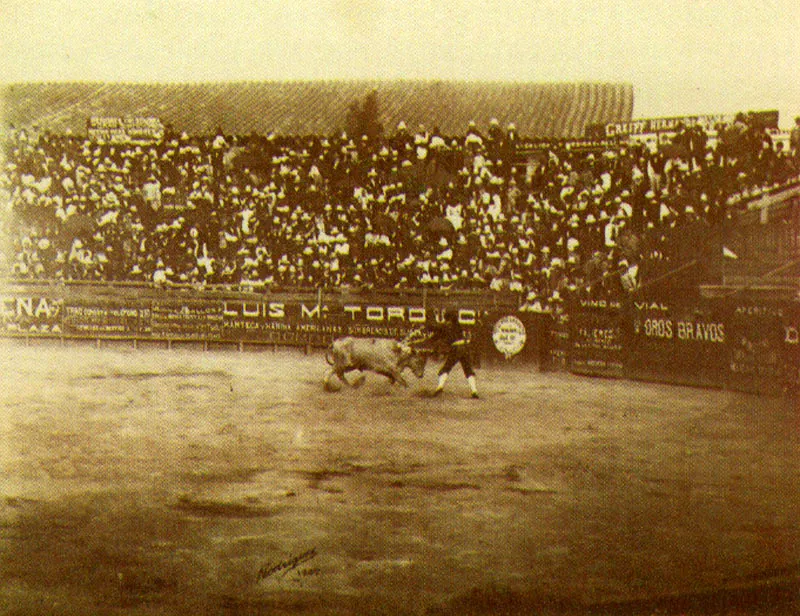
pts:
[724, 258]
[680, 268]
[724, 243]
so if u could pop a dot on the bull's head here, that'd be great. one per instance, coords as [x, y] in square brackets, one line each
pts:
[410, 343]
[417, 361]
[412, 356]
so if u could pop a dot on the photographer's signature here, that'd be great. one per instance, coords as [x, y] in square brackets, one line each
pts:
[285, 567]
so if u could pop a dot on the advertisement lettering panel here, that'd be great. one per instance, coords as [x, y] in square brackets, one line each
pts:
[320, 323]
[763, 354]
[30, 314]
[767, 119]
[556, 339]
[104, 319]
[130, 129]
[195, 320]
[596, 343]
[677, 343]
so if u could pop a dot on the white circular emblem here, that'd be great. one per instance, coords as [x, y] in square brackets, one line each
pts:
[509, 336]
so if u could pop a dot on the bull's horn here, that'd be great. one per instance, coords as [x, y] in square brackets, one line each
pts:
[414, 335]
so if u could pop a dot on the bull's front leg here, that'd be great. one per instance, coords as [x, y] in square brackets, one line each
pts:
[359, 379]
[329, 375]
[396, 376]
[326, 382]
[341, 374]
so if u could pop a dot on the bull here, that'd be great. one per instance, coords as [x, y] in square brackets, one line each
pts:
[383, 356]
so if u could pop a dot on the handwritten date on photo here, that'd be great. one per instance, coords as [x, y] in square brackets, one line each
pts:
[292, 565]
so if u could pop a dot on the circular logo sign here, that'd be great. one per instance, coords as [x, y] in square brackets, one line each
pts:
[509, 335]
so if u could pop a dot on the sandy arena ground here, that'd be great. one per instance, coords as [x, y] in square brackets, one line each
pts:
[182, 482]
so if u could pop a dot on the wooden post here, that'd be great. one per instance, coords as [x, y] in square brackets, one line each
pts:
[241, 346]
[135, 344]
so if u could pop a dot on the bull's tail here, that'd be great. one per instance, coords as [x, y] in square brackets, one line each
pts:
[329, 355]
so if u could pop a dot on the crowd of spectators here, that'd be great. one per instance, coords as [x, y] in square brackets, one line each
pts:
[411, 209]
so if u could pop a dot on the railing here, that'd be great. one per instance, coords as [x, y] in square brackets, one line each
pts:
[124, 290]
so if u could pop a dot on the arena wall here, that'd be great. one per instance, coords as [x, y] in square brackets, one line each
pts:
[218, 316]
[734, 342]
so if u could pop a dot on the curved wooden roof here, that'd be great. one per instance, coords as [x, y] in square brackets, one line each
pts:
[557, 110]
